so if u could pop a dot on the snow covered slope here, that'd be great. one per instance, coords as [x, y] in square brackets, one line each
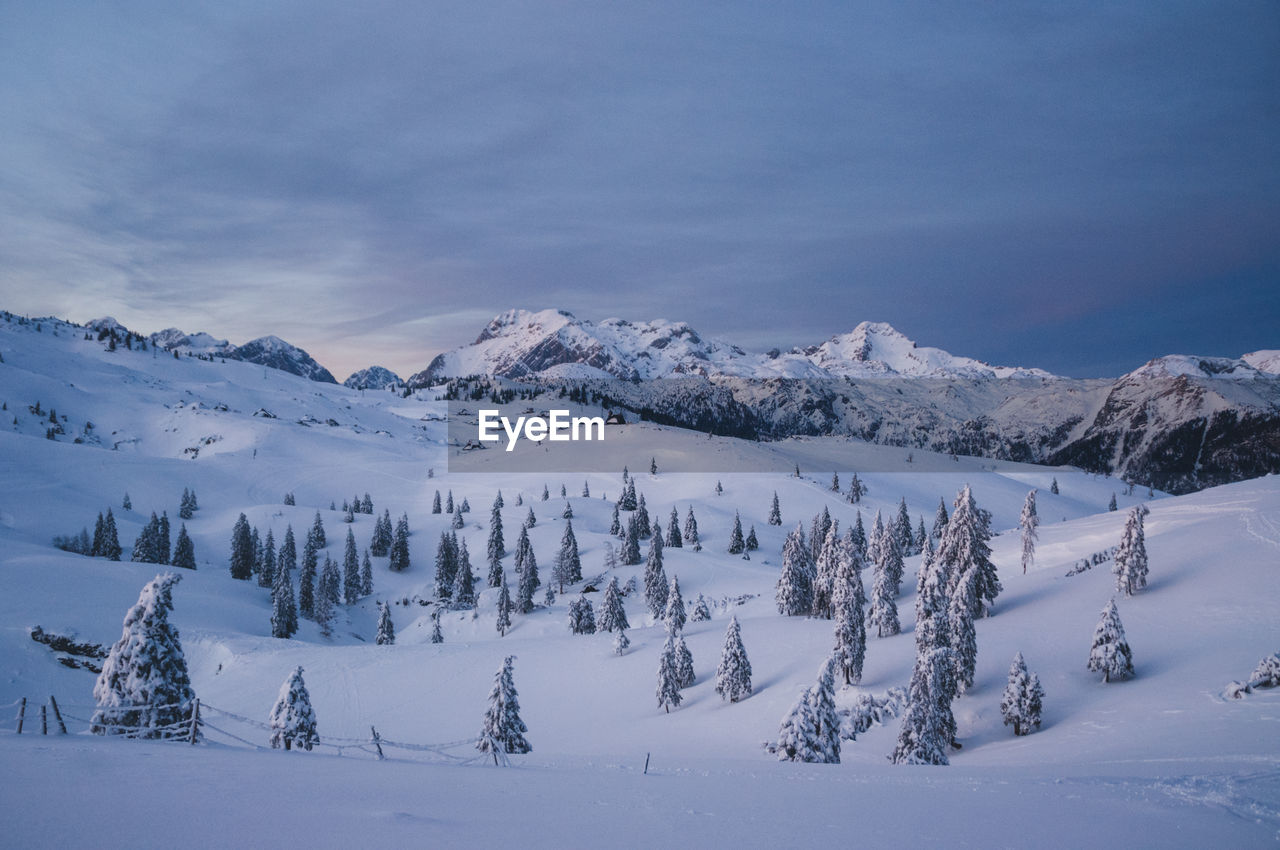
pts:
[1162, 759]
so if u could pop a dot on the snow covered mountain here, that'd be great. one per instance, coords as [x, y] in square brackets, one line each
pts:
[270, 351]
[555, 344]
[1164, 759]
[1178, 423]
[373, 378]
[274, 352]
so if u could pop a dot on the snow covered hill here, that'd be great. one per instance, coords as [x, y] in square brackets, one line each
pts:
[373, 378]
[1162, 759]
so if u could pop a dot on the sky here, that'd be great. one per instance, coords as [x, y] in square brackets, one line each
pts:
[1077, 187]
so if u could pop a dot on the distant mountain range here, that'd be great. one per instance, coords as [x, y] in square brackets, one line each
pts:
[1178, 423]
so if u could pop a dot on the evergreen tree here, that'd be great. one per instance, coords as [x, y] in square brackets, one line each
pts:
[317, 532]
[684, 663]
[850, 633]
[256, 544]
[642, 519]
[528, 579]
[366, 506]
[1028, 521]
[292, 720]
[127, 504]
[504, 607]
[498, 502]
[825, 720]
[496, 547]
[530, 520]
[884, 610]
[964, 548]
[322, 609]
[457, 521]
[144, 690]
[752, 544]
[794, 595]
[691, 531]
[775, 513]
[655, 578]
[185, 510]
[674, 538]
[366, 575]
[631, 543]
[1053, 487]
[613, 613]
[99, 536]
[350, 571]
[902, 529]
[1022, 701]
[386, 627]
[284, 614]
[856, 490]
[891, 560]
[923, 738]
[964, 638]
[568, 511]
[331, 581]
[437, 636]
[798, 736]
[546, 494]
[1130, 562]
[267, 570]
[586, 490]
[858, 537]
[184, 552]
[922, 535]
[582, 617]
[669, 675]
[628, 500]
[674, 613]
[615, 527]
[448, 504]
[503, 731]
[241, 550]
[621, 642]
[1111, 506]
[830, 557]
[736, 544]
[719, 489]
[400, 545]
[435, 503]
[446, 565]
[568, 565]
[464, 581]
[288, 557]
[874, 540]
[162, 538]
[701, 612]
[307, 580]
[380, 543]
[733, 674]
[940, 520]
[1110, 654]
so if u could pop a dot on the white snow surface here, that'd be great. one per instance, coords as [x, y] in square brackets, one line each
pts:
[1162, 760]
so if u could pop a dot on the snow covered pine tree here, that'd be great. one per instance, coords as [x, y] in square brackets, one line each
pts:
[144, 690]
[292, 720]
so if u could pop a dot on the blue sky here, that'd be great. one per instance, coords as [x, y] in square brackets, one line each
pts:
[1078, 187]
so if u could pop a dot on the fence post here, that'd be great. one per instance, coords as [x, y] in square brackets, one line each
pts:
[646, 764]
[62, 727]
[22, 714]
[44, 720]
[195, 720]
[377, 742]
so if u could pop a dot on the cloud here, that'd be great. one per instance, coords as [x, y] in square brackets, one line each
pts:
[380, 179]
